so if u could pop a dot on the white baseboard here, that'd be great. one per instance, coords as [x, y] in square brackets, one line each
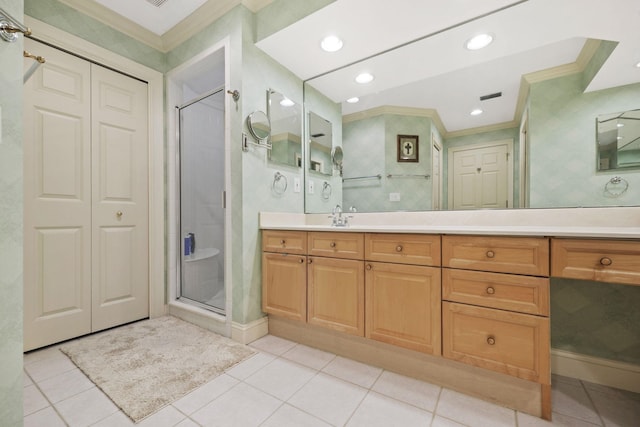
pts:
[611, 373]
[246, 333]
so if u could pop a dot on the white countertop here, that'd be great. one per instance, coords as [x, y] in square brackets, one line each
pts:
[620, 223]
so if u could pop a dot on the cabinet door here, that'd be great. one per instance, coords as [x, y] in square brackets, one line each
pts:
[284, 285]
[336, 294]
[403, 306]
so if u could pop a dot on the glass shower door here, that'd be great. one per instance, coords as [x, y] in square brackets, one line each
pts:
[202, 219]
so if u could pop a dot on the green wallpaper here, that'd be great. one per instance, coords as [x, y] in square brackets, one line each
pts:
[68, 19]
[11, 385]
[563, 146]
[598, 319]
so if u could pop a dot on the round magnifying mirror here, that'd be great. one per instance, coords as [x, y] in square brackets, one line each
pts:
[336, 155]
[259, 125]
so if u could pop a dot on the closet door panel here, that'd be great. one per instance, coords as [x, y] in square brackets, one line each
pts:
[120, 199]
[57, 199]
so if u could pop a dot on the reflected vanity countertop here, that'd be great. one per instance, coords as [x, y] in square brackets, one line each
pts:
[620, 223]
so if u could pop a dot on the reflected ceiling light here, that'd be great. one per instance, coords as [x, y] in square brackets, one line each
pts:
[286, 102]
[476, 112]
[620, 125]
[353, 100]
[479, 41]
[364, 78]
[638, 65]
[331, 44]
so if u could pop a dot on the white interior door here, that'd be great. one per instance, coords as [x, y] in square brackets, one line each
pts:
[85, 161]
[479, 177]
[120, 291]
[57, 199]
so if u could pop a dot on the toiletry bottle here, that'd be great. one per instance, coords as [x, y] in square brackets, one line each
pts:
[187, 245]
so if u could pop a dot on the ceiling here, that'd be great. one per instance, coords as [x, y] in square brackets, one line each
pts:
[437, 72]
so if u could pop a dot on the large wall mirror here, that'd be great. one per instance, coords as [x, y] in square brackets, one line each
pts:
[286, 130]
[514, 121]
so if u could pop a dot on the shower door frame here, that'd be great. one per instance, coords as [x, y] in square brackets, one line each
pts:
[179, 256]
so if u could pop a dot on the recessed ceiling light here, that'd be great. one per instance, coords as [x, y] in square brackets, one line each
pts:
[286, 102]
[364, 78]
[638, 65]
[353, 100]
[331, 44]
[620, 125]
[476, 112]
[479, 41]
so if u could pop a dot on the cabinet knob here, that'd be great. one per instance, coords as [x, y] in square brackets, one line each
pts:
[332, 244]
[282, 242]
[491, 340]
[491, 290]
[491, 254]
[606, 261]
[301, 260]
[369, 267]
[399, 248]
[309, 261]
[119, 214]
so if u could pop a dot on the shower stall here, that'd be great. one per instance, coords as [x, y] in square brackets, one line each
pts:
[201, 145]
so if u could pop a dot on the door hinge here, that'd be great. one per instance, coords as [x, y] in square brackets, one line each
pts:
[224, 200]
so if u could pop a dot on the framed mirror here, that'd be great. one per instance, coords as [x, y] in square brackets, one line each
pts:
[618, 140]
[259, 126]
[320, 145]
[285, 116]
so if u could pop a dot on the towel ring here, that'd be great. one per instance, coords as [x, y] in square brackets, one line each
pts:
[279, 185]
[616, 186]
[326, 190]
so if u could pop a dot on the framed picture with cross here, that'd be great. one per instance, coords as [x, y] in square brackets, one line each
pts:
[408, 148]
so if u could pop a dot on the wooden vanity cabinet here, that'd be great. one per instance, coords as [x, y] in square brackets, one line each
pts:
[284, 274]
[601, 260]
[402, 279]
[335, 281]
[497, 321]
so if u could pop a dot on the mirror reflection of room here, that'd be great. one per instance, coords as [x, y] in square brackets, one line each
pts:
[286, 129]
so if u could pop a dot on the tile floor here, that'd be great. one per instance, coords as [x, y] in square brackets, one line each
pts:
[288, 384]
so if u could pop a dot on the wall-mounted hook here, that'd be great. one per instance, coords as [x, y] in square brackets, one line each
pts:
[235, 95]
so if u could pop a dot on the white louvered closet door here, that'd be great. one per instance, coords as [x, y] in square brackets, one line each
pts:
[68, 263]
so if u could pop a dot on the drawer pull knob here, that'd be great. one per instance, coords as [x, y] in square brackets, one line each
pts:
[490, 254]
[369, 267]
[606, 261]
[301, 260]
[282, 242]
[491, 290]
[399, 248]
[491, 340]
[309, 261]
[332, 244]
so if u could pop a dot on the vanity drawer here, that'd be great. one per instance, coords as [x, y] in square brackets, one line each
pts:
[418, 249]
[525, 294]
[336, 244]
[598, 260]
[290, 242]
[512, 343]
[517, 255]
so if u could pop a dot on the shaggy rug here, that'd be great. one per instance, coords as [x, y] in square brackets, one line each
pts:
[146, 365]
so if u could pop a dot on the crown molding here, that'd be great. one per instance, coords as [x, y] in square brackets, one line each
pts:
[256, 5]
[116, 21]
[482, 129]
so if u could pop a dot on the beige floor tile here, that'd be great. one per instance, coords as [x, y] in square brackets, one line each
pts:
[49, 367]
[328, 398]
[415, 392]
[473, 412]
[242, 406]
[558, 420]
[617, 409]
[352, 371]
[377, 410]
[45, 417]
[249, 366]
[119, 419]
[572, 400]
[33, 400]
[65, 385]
[288, 416]
[281, 378]
[205, 394]
[26, 380]
[166, 417]
[272, 344]
[439, 421]
[86, 408]
[45, 353]
[187, 423]
[310, 357]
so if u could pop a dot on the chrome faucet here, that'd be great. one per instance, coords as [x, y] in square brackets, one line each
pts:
[337, 220]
